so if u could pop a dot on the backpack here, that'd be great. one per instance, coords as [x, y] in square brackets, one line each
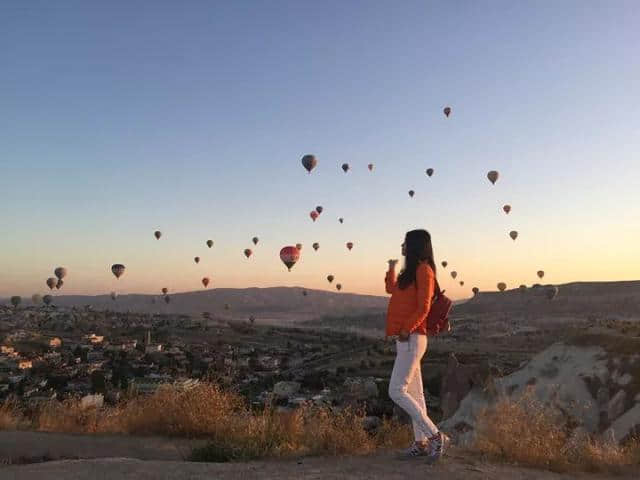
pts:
[438, 317]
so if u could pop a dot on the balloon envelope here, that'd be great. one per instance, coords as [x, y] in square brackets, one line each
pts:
[507, 209]
[165, 290]
[51, 282]
[345, 167]
[316, 246]
[247, 252]
[493, 176]
[196, 259]
[370, 167]
[59, 284]
[205, 281]
[319, 209]
[447, 111]
[502, 286]
[429, 171]
[157, 234]
[349, 245]
[209, 243]
[475, 290]
[341, 220]
[255, 240]
[289, 256]
[314, 215]
[454, 274]
[338, 286]
[513, 234]
[540, 273]
[299, 246]
[330, 278]
[411, 193]
[117, 269]
[60, 272]
[444, 264]
[309, 162]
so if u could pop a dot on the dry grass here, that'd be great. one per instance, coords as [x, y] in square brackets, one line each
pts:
[234, 431]
[525, 432]
[10, 415]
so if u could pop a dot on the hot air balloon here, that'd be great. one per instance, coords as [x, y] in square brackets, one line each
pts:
[299, 246]
[338, 286]
[454, 274]
[444, 264]
[513, 234]
[209, 243]
[59, 284]
[507, 209]
[15, 300]
[411, 193]
[493, 176]
[349, 245]
[165, 290]
[447, 111]
[313, 214]
[462, 283]
[196, 259]
[157, 234]
[316, 246]
[370, 167]
[429, 171]
[319, 209]
[475, 290]
[289, 256]
[166, 299]
[345, 167]
[36, 298]
[247, 252]
[47, 299]
[551, 291]
[502, 286]
[309, 162]
[117, 269]
[341, 220]
[330, 278]
[205, 281]
[60, 272]
[540, 273]
[51, 282]
[114, 295]
[255, 240]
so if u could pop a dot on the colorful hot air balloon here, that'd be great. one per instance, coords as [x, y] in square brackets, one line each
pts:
[462, 283]
[36, 298]
[349, 245]
[316, 246]
[165, 290]
[411, 193]
[502, 286]
[15, 301]
[299, 246]
[47, 299]
[319, 209]
[114, 295]
[540, 273]
[255, 240]
[338, 286]
[247, 252]
[444, 264]
[209, 243]
[51, 282]
[551, 291]
[205, 281]
[429, 171]
[60, 273]
[157, 234]
[370, 167]
[59, 284]
[309, 162]
[341, 220]
[196, 259]
[454, 274]
[167, 299]
[447, 111]
[493, 176]
[314, 215]
[117, 269]
[513, 234]
[475, 290]
[330, 278]
[345, 167]
[507, 209]
[289, 256]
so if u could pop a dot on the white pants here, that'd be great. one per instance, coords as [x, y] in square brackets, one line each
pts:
[405, 386]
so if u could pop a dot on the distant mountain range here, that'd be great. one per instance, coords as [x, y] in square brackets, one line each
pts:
[275, 303]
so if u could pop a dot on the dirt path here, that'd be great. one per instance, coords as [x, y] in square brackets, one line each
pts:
[102, 457]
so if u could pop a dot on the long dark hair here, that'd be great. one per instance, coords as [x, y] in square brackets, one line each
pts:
[418, 248]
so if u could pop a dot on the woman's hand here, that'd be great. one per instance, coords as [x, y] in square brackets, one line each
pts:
[403, 336]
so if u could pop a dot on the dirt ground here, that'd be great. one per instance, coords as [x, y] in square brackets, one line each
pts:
[101, 457]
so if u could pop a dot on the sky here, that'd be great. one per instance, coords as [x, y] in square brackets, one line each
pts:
[125, 117]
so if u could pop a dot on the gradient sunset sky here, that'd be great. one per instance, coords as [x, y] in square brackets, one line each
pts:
[119, 118]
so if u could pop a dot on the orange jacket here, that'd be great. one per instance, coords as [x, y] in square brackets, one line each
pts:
[408, 308]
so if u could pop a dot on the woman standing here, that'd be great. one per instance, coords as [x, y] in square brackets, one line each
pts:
[411, 297]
